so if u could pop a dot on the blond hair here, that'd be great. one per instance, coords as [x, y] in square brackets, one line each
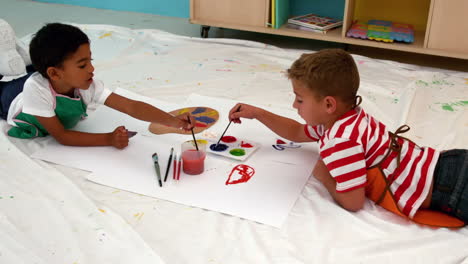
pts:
[328, 72]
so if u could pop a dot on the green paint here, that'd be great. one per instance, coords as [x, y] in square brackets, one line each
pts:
[12, 197]
[441, 82]
[447, 107]
[450, 106]
[422, 83]
[237, 152]
[395, 100]
[434, 82]
[371, 97]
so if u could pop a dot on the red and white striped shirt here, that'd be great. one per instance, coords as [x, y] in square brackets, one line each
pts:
[357, 141]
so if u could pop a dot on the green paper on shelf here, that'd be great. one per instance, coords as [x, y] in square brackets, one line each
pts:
[281, 12]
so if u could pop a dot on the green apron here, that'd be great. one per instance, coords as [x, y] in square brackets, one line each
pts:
[68, 110]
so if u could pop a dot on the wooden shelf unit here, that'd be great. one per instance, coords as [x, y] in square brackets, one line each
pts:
[437, 22]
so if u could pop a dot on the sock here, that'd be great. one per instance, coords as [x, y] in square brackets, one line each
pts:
[11, 62]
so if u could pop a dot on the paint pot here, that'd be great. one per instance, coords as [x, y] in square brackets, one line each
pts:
[246, 145]
[193, 160]
[237, 152]
[240, 149]
[228, 139]
[218, 147]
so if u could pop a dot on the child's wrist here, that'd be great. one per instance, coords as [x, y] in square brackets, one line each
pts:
[258, 113]
[108, 138]
[177, 123]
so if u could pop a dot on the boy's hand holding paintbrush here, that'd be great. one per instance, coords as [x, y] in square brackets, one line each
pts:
[186, 121]
[284, 127]
[244, 111]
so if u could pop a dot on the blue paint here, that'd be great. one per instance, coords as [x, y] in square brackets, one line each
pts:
[218, 147]
[175, 8]
[205, 119]
[199, 110]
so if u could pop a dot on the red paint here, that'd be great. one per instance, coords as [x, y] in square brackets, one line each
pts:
[228, 139]
[200, 124]
[194, 161]
[246, 145]
[240, 174]
[279, 141]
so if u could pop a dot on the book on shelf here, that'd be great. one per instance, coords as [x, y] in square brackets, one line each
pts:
[315, 21]
[293, 26]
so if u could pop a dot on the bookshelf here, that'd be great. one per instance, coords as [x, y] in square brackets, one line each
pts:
[441, 27]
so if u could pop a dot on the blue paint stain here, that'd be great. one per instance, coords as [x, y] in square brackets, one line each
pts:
[205, 119]
[199, 110]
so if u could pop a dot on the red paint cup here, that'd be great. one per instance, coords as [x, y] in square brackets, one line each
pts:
[193, 160]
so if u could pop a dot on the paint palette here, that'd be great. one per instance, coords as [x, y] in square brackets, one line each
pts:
[232, 148]
[205, 116]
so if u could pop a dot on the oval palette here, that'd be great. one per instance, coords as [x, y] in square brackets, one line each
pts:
[205, 116]
[232, 147]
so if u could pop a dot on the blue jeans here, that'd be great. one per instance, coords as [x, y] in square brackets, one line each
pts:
[450, 192]
[9, 91]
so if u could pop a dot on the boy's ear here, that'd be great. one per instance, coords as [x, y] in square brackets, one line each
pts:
[330, 104]
[53, 73]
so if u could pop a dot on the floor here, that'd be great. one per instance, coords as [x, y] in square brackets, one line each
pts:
[36, 14]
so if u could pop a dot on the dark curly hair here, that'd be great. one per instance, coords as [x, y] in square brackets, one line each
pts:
[53, 44]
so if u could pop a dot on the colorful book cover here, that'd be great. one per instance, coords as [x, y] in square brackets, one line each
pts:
[315, 21]
[292, 26]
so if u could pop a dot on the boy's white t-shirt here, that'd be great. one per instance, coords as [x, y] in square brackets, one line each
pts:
[38, 97]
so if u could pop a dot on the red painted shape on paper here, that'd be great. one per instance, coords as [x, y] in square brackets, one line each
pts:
[240, 174]
[279, 141]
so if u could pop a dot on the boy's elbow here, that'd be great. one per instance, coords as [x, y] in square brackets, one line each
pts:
[64, 138]
[352, 201]
[63, 141]
[352, 207]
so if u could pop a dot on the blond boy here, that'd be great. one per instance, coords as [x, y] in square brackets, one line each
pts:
[352, 144]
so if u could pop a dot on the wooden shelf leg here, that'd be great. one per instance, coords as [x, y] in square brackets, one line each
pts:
[204, 31]
[346, 47]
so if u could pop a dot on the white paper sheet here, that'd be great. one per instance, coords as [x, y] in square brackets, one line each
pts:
[266, 198]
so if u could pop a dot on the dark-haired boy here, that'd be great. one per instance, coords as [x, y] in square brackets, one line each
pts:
[55, 98]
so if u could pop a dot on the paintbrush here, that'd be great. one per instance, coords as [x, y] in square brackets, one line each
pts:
[156, 167]
[193, 134]
[131, 133]
[179, 165]
[174, 170]
[222, 135]
[168, 164]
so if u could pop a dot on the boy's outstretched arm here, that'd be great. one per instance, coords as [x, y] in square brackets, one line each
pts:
[147, 112]
[352, 200]
[118, 138]
[284, 127]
